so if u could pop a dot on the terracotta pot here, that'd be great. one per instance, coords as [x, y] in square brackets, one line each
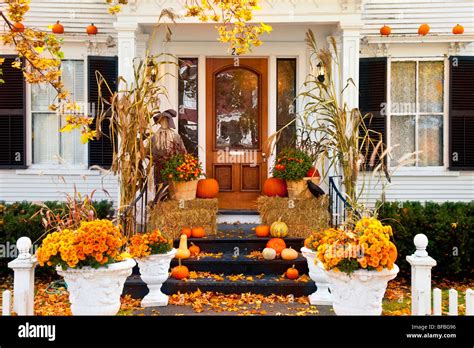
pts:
[296, 188]
[183, 190]
[360, 293]
[154, 271]
[322, 296]
[96, 291]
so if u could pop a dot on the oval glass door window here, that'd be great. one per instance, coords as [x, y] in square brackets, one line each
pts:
[237, 109]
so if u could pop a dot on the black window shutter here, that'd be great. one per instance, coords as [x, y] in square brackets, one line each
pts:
[461, 113]
[372, 99]
[101, 150]
[12, 116]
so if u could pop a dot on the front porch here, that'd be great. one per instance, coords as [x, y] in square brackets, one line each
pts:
[283, 64]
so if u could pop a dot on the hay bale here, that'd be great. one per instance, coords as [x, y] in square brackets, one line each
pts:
[170, 217]
[308, 215]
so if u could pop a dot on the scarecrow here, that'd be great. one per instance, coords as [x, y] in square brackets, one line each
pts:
[166, 142]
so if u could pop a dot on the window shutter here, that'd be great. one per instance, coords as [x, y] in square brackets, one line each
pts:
[461, 113]
[12, 116]
[372, 99]
[101, 150]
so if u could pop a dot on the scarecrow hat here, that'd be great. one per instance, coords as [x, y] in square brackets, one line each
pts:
[169, 114]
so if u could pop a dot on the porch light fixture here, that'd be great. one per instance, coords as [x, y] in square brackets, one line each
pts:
[153, 71]
[321, 70]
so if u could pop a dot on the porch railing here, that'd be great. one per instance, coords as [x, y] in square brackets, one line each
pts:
[338, 205]
[139, 211]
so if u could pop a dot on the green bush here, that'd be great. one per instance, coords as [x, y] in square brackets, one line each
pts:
[22, 219]
[450, 230]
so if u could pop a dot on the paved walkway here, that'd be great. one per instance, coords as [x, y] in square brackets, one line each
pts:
[275, 309]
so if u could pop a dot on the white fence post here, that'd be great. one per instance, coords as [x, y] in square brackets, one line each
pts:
[421, 265]
[469, 302]
[437, 299]
[453, 302]
[6, 303]
[24, 278]
[421, 310]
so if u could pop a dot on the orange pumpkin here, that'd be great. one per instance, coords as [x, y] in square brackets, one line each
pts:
[92, 29]
[187, 232]
[180, 272]
[198, 232]
[276, 244]
[262, 231]
[424, 29]
[194, 249]
[313, 172]
[58, 28]
[275, 187]
[458, 29]
[18, 27]
[207, 188]
[292, 273]
[385, 30]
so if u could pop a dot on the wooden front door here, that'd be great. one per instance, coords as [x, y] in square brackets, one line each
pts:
[236, 130]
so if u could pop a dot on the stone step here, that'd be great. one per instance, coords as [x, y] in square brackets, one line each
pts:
[228, 264]
[267, 285]
[237, 239]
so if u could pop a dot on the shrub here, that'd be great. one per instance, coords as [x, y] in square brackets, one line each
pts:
[450, 230]
[22, 219]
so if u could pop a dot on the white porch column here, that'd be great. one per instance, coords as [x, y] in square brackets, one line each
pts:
[349, 41]
[127, 49]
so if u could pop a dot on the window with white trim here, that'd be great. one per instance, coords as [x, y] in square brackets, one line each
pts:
[49, 145]
[416, 114]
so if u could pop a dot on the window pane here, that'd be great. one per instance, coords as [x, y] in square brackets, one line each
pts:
[237, 109]
[49, 145]
[286, 104]
[403, 87]
[42, 96]
[45, 138]
[431, 81]
[188, 103]
[73, 151]
[402, 134]
[430, 140]
[73, 79]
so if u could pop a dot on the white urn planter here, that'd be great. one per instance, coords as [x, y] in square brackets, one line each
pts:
[362, 292]
[154, 270]
[96, 291]
[322, 296]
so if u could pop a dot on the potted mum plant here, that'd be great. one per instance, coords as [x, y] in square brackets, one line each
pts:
[153, 252]
[293, 165]
[322, 296]
[90, 260]
[359, 264]
[182, 171]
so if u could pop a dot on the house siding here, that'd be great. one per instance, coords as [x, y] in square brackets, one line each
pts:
[37, 185]
[457, 186]
[405, 16]
[74, 15]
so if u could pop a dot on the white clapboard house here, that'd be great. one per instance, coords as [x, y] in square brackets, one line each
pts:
[424, 83]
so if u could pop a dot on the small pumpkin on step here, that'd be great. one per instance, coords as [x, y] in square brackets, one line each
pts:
[289, 254]
[194, 249]
[180, 272]
[292, 273]
[269, 254]
[279, 229]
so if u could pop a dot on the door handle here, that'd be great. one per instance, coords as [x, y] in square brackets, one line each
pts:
[264, 157]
